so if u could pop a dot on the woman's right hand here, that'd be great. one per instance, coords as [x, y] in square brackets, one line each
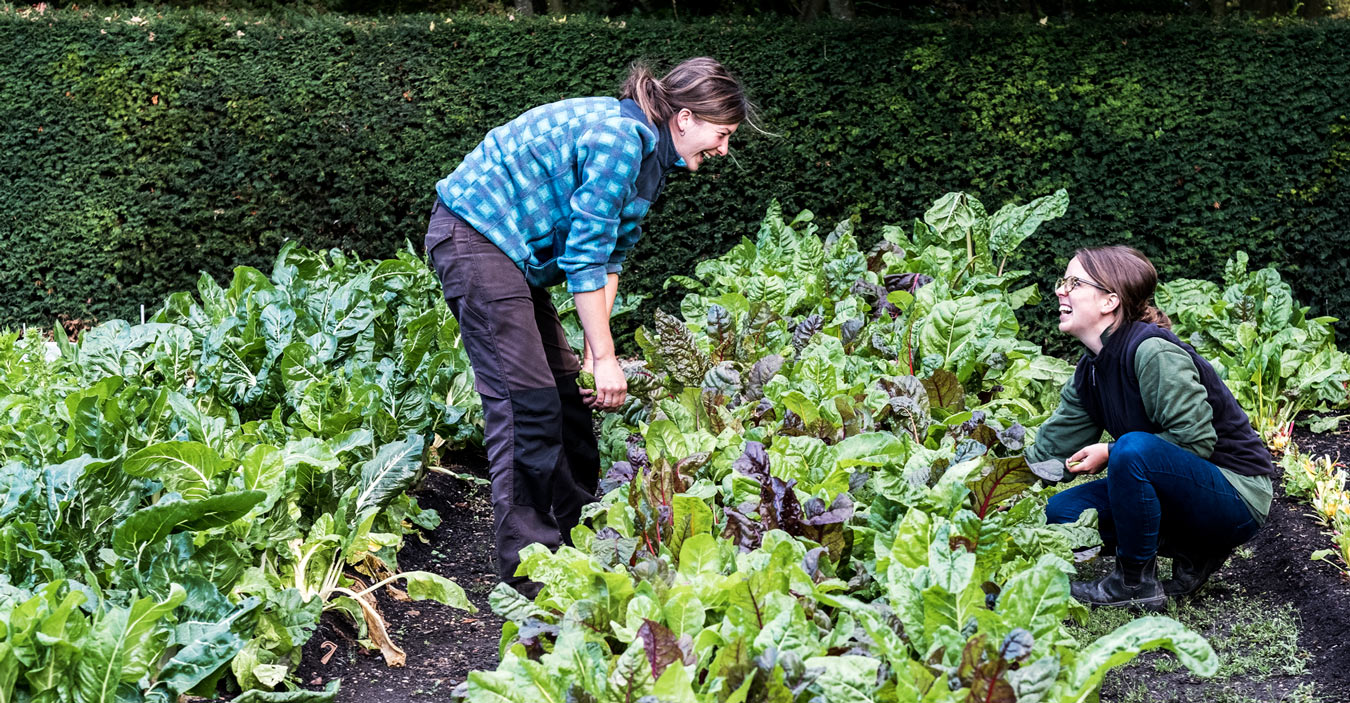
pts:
[611, 386]
[1090, 459]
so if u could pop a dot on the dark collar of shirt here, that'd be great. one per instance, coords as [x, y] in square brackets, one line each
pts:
[651, 178]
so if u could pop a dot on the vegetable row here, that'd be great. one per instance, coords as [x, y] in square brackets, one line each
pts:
[181, 499]
[1323, 483]
[818, 490]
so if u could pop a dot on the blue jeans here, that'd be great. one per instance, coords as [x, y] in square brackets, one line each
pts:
[1154, 489]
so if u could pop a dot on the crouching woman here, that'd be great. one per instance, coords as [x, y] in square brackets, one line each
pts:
[1186, 477]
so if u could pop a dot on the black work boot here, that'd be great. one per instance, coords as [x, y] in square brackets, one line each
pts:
[1191, 571]
[1125, 587]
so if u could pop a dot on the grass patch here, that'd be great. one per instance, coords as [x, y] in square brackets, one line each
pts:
[1255, 639]
[1305, 693]
[1141, 693]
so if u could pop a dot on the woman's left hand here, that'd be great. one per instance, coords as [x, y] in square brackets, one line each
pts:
[1089, 460]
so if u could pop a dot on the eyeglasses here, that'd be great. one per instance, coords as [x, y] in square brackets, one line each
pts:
[1069, 283]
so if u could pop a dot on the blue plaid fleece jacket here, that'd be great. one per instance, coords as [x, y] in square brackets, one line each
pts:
[563, 188]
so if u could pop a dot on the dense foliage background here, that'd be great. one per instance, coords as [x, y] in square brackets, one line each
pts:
[140, 150]
[802, 9]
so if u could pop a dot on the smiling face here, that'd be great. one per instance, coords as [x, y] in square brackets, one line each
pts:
[696, 140]
[1085, 311]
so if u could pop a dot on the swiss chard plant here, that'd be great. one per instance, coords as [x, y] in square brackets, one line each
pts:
[181, 499]
[1322, 482]
[818, 489]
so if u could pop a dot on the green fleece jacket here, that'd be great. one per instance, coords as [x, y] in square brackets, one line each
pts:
[1174, 399]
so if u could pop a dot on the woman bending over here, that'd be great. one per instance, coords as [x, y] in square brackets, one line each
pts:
[558, 194]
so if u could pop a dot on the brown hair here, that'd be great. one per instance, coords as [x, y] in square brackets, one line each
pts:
[702, 85]
[1130, 275]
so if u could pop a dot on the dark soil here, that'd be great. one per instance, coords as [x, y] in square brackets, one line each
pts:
[1278, 571]
[444, 644]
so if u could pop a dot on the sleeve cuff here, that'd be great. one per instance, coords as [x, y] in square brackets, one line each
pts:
[587, 279]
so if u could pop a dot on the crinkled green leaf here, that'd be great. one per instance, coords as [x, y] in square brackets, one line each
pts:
[1012, 224]
[204, 657]
[1037, 599]
[183, 467]
[389, 473]
[153, 523]
[121, 645]
[845, 678]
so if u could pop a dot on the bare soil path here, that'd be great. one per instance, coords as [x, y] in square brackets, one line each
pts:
[443, 644]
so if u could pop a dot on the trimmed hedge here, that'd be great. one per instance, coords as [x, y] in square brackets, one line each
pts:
[138, 154]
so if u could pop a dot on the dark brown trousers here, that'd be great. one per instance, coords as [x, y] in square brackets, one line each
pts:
[542, 452]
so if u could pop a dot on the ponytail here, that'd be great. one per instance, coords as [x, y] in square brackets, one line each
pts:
[701, 85]
[644, 88]
[1155, 316]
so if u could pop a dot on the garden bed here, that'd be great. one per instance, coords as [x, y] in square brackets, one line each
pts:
[443, 643]
[1270, 652]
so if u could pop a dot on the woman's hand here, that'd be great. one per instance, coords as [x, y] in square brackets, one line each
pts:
[1089, 460]
[611, 387]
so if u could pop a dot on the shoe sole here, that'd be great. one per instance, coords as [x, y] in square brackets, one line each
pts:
[1156, 604]
[1153, 605]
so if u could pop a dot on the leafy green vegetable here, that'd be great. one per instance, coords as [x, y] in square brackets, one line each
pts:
[823, 470]
[1274, 358]
[179, 498]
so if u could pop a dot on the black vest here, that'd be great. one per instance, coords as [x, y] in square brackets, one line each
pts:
[1109, 390]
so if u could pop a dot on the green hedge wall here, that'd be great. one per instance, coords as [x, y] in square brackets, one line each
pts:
[136, 154]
